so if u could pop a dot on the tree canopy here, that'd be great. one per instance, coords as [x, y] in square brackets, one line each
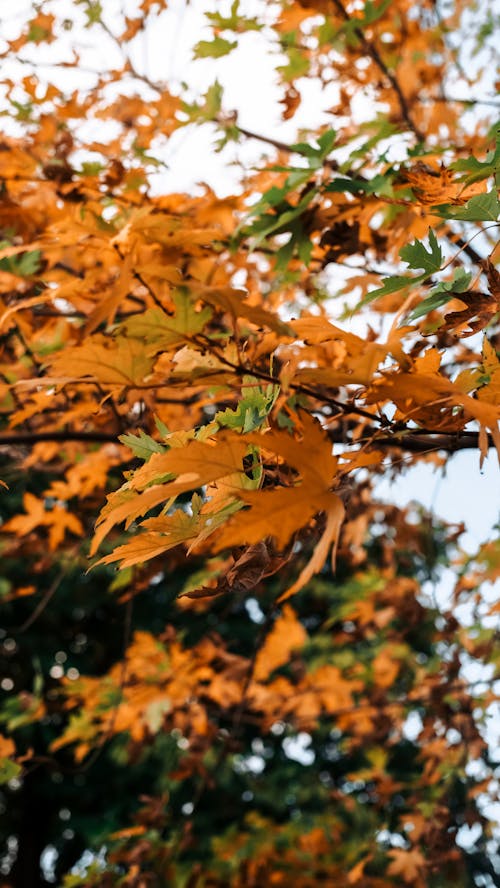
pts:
[226, 664]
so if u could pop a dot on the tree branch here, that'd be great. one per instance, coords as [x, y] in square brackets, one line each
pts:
[267, 140]
[416, 441]
[374, 54]
[445, 100]
[30, 438]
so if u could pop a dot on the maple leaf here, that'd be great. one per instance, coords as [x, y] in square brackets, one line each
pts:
[477, 305]
[163, 331]
[312, 457]
[425, 388]
[281, 512]
[57, 519]
[108, 306]
[433, 185]
[287, 635]
[409, 864]
[335, 512]
[235, 302]
[162, 534]
[122, 362]
[417, 256]
[198, 463]
[7, 747]
[143, 547]
[34, 516]
[276, 513]
[249, 568]
[126, 506]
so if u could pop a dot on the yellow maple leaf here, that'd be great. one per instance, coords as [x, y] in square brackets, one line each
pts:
[121, 362]
[58, 520]
[34, 516]
[203, 460]
[329, 538]
[7, 747]
[287, 635]
[177, 528]
[312, 456]
[196, 464]
[277, 513]
[409, 864]
[418, 392]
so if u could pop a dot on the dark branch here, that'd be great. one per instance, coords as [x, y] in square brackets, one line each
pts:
[9, 438]
[267, 140]
[416, 441]
[374, 54]
[445, 100]
[466, 248]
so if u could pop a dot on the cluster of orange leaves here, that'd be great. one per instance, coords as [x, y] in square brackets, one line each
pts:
[160, 328]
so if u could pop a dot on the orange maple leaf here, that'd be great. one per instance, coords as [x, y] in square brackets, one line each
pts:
[409, 864]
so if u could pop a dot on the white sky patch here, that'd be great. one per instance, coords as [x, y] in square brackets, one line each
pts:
[297, 748]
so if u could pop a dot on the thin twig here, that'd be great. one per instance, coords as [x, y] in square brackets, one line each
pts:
[42, 604]
[374, 54]
[428, 100]
[267, 140]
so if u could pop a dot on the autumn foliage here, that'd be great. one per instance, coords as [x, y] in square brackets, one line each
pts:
[225, 661]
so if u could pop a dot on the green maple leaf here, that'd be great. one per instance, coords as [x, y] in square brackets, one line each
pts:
[417, 256]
